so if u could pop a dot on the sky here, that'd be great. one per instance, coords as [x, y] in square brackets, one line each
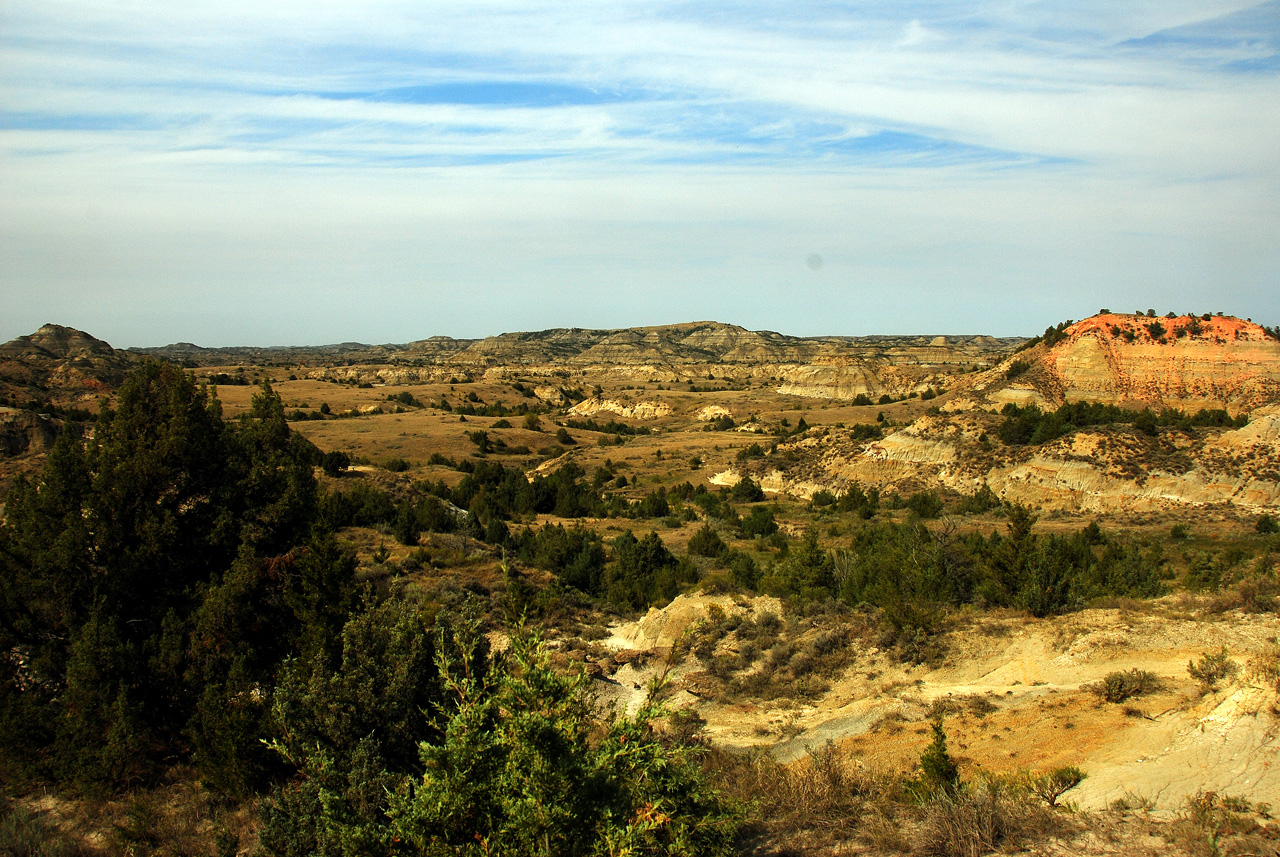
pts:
[269, 173]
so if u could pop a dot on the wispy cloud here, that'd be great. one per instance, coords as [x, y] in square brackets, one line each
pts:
[1000, 105]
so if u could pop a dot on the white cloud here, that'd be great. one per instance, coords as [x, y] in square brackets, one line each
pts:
[222, 169]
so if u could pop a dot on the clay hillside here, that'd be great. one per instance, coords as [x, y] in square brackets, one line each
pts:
[1188, 362]
[42, 375]
[60, 361]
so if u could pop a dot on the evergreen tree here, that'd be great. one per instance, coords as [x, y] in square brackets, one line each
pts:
[128, 543]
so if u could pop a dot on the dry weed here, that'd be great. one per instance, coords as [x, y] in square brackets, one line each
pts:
[1210, 825]
[1265, 666]
[985, 816]
[812, 803]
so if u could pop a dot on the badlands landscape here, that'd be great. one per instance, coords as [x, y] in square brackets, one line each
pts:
[833, 561]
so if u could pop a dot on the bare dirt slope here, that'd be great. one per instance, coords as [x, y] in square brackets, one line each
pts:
[1015, 694]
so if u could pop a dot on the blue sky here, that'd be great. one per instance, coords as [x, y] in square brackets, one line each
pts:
[272, 173]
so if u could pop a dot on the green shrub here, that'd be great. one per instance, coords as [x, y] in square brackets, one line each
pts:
[1124, 684]
[982, 500]
[760, 522]
[822, 499]
[925, 504]
[523, 766]
[746, 491]
[706, 542]
[1211, 669]
[1052, 785]
[939, 773]
[1016, 368]
[334, 463]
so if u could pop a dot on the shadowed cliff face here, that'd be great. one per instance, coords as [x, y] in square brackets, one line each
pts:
[1186, 362]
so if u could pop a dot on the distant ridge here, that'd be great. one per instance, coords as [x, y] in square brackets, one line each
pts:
[689, 342]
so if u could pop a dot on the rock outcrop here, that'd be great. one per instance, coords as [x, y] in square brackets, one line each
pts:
[1186, 362]
[25, 431]
[634, 410]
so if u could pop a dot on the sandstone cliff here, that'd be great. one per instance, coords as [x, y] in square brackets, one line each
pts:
[1186, 362]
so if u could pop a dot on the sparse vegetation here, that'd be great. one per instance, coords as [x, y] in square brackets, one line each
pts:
[1211, 669]
[1051, 786]
[1125, 684]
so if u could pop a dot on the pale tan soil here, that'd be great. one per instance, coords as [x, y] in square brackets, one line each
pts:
[1034, 675]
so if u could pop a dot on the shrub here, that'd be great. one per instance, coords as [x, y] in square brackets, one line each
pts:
[334, 463]
[1052, 785]
[705, 542]
[925, 504]
[822, 498]
[1265, 666]
[982, 500]
[760, 522]
[517, 768]
[939, 773]
[396, 465]
[1267, 525]
[1016, 368]
[1124, 684]
[1211, 669]
[746, 491]
[1211, 824]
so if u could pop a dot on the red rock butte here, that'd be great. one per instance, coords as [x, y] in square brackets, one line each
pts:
[1188, 362]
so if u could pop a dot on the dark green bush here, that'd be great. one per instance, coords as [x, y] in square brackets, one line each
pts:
[706, 542]
[925, 504]
[746, 490]
[508, 777]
